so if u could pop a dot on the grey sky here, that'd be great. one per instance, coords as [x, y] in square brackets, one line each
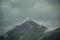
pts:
[15, 11]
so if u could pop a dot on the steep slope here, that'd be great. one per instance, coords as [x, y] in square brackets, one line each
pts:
[33, 34]
[54, 35]
[29, 30]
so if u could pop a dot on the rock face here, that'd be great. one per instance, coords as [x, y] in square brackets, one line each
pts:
[29, 30]
[54, 35]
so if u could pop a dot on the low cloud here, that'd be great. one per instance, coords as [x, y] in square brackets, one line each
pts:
[16, 11]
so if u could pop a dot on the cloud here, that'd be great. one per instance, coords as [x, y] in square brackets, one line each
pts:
[16, 11]
[38, 9]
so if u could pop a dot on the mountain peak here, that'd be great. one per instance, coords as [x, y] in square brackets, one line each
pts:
[29, 27]
[30, 19]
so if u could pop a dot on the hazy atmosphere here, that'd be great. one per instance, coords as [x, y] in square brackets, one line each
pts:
[13, 12]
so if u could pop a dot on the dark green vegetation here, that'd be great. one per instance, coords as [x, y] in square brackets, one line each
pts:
[54, 35]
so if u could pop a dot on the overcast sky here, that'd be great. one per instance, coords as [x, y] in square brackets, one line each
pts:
[15, 11]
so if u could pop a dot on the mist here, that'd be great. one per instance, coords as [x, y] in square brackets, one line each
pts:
[13, 12]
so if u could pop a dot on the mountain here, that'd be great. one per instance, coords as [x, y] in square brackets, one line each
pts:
[54, 35]
[29, 30]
